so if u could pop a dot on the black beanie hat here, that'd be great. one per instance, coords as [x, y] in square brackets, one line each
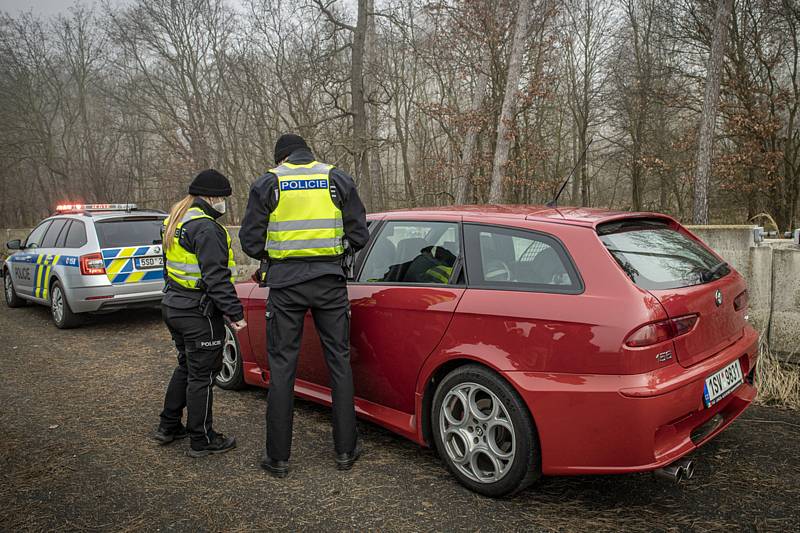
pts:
[209, 182]
[286, 144]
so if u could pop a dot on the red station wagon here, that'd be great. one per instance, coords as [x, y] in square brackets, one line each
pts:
[523, 341]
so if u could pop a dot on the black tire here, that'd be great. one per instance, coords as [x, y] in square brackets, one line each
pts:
[12, 300]
[522, 468]
[231, 376]
[65, 319]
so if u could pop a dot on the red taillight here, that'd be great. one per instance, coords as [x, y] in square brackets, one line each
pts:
[683, 324]
[664, 330]
[92, 265]
[741, 301]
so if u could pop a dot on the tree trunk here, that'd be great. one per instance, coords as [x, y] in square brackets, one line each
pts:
[705, 144]
[506, 119]
[464, 189]
[376, 180]
[359, 106]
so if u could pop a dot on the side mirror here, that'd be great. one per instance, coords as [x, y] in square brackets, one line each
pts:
[16, 244]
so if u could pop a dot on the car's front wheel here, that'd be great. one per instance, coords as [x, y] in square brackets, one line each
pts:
[12, 300]
[484, 432]
[63, 317]
[231, 375]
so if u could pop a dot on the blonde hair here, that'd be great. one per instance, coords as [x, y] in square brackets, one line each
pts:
[175, 216]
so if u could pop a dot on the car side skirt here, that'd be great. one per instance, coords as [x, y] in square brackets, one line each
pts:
[398, 422]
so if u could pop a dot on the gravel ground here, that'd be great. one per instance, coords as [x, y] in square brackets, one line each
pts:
[78, 406]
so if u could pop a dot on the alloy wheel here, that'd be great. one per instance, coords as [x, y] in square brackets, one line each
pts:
[57, 304]
[477, 432]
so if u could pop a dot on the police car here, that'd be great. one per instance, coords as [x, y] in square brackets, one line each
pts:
[88, 258]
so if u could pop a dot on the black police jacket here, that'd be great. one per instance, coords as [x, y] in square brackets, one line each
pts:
[207, 240]
[264, 199]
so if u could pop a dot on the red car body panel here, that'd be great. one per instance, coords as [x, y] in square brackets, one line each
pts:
[599, 406]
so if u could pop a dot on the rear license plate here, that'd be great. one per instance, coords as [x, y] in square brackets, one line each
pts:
[149, 262]
[722, 383]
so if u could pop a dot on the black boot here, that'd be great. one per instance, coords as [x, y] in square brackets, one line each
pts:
[165, 436]
[345, 461]
[279, 469]
[219, 444]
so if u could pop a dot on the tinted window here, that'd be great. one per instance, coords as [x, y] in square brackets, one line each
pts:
[128, 232]
[62, 237]
[76, 236]
[515, 259]
[656, 256]
[49, 240]
[35, 237]
[413, 252]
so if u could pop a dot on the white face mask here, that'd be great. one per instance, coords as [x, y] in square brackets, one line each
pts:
[219, 207]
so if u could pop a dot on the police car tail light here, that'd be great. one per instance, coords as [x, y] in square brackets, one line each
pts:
[661, 331]
[92, 265]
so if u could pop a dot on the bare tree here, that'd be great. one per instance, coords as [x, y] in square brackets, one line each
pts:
[509, 101]
[708, 119]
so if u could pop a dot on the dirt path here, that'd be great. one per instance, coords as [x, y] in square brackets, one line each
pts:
[77, 407]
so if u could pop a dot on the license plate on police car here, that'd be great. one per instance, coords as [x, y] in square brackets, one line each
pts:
[722, 383]
[149, 262]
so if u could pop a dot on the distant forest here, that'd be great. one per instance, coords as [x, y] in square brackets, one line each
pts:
[425, 102]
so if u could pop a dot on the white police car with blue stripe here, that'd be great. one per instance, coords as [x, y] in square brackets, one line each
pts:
[88, 258]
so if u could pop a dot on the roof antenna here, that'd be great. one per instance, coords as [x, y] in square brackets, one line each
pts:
[554, 201]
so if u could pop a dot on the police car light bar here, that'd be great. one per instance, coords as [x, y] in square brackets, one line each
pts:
[94, 207]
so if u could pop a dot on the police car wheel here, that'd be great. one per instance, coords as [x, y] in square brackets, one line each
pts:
[231, 376]
[12, 300]
[484, 432]
[63, 317]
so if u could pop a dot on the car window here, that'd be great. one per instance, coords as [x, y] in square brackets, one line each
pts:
[116, 233]
[655, 256]
[50, 237]
[76, 237]
[62, 237]
[413, 252]
[35, 237]
[517, 259]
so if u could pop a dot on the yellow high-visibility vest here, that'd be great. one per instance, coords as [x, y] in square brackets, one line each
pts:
[182, 265]
[440, 273]
[306, 223]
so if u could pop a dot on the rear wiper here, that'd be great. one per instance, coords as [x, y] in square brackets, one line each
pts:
[712, 272]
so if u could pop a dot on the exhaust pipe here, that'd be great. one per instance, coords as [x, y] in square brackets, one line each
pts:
[688, 467]
[671, 472]
[678, 471]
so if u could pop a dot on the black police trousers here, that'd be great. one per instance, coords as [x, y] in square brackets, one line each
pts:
[199, 340]
[327, 299]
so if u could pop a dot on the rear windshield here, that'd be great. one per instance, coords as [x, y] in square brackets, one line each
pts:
[656, 256]
[128, 232]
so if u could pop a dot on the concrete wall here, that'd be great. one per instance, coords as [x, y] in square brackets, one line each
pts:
[784, 333]
[772, 270]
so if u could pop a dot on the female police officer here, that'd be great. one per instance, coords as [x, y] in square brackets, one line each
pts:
[198, 294]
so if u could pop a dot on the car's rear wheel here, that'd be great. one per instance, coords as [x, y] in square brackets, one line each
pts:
[63, 317]
[484, 432]
[12, 300]
[231, 376]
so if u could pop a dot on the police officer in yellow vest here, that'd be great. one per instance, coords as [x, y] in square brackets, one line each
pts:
[198, 297]
[298, 217]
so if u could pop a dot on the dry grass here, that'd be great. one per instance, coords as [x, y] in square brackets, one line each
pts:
[778, 382]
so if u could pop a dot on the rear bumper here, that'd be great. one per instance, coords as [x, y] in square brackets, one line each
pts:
[114, 297]
[604, 424]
